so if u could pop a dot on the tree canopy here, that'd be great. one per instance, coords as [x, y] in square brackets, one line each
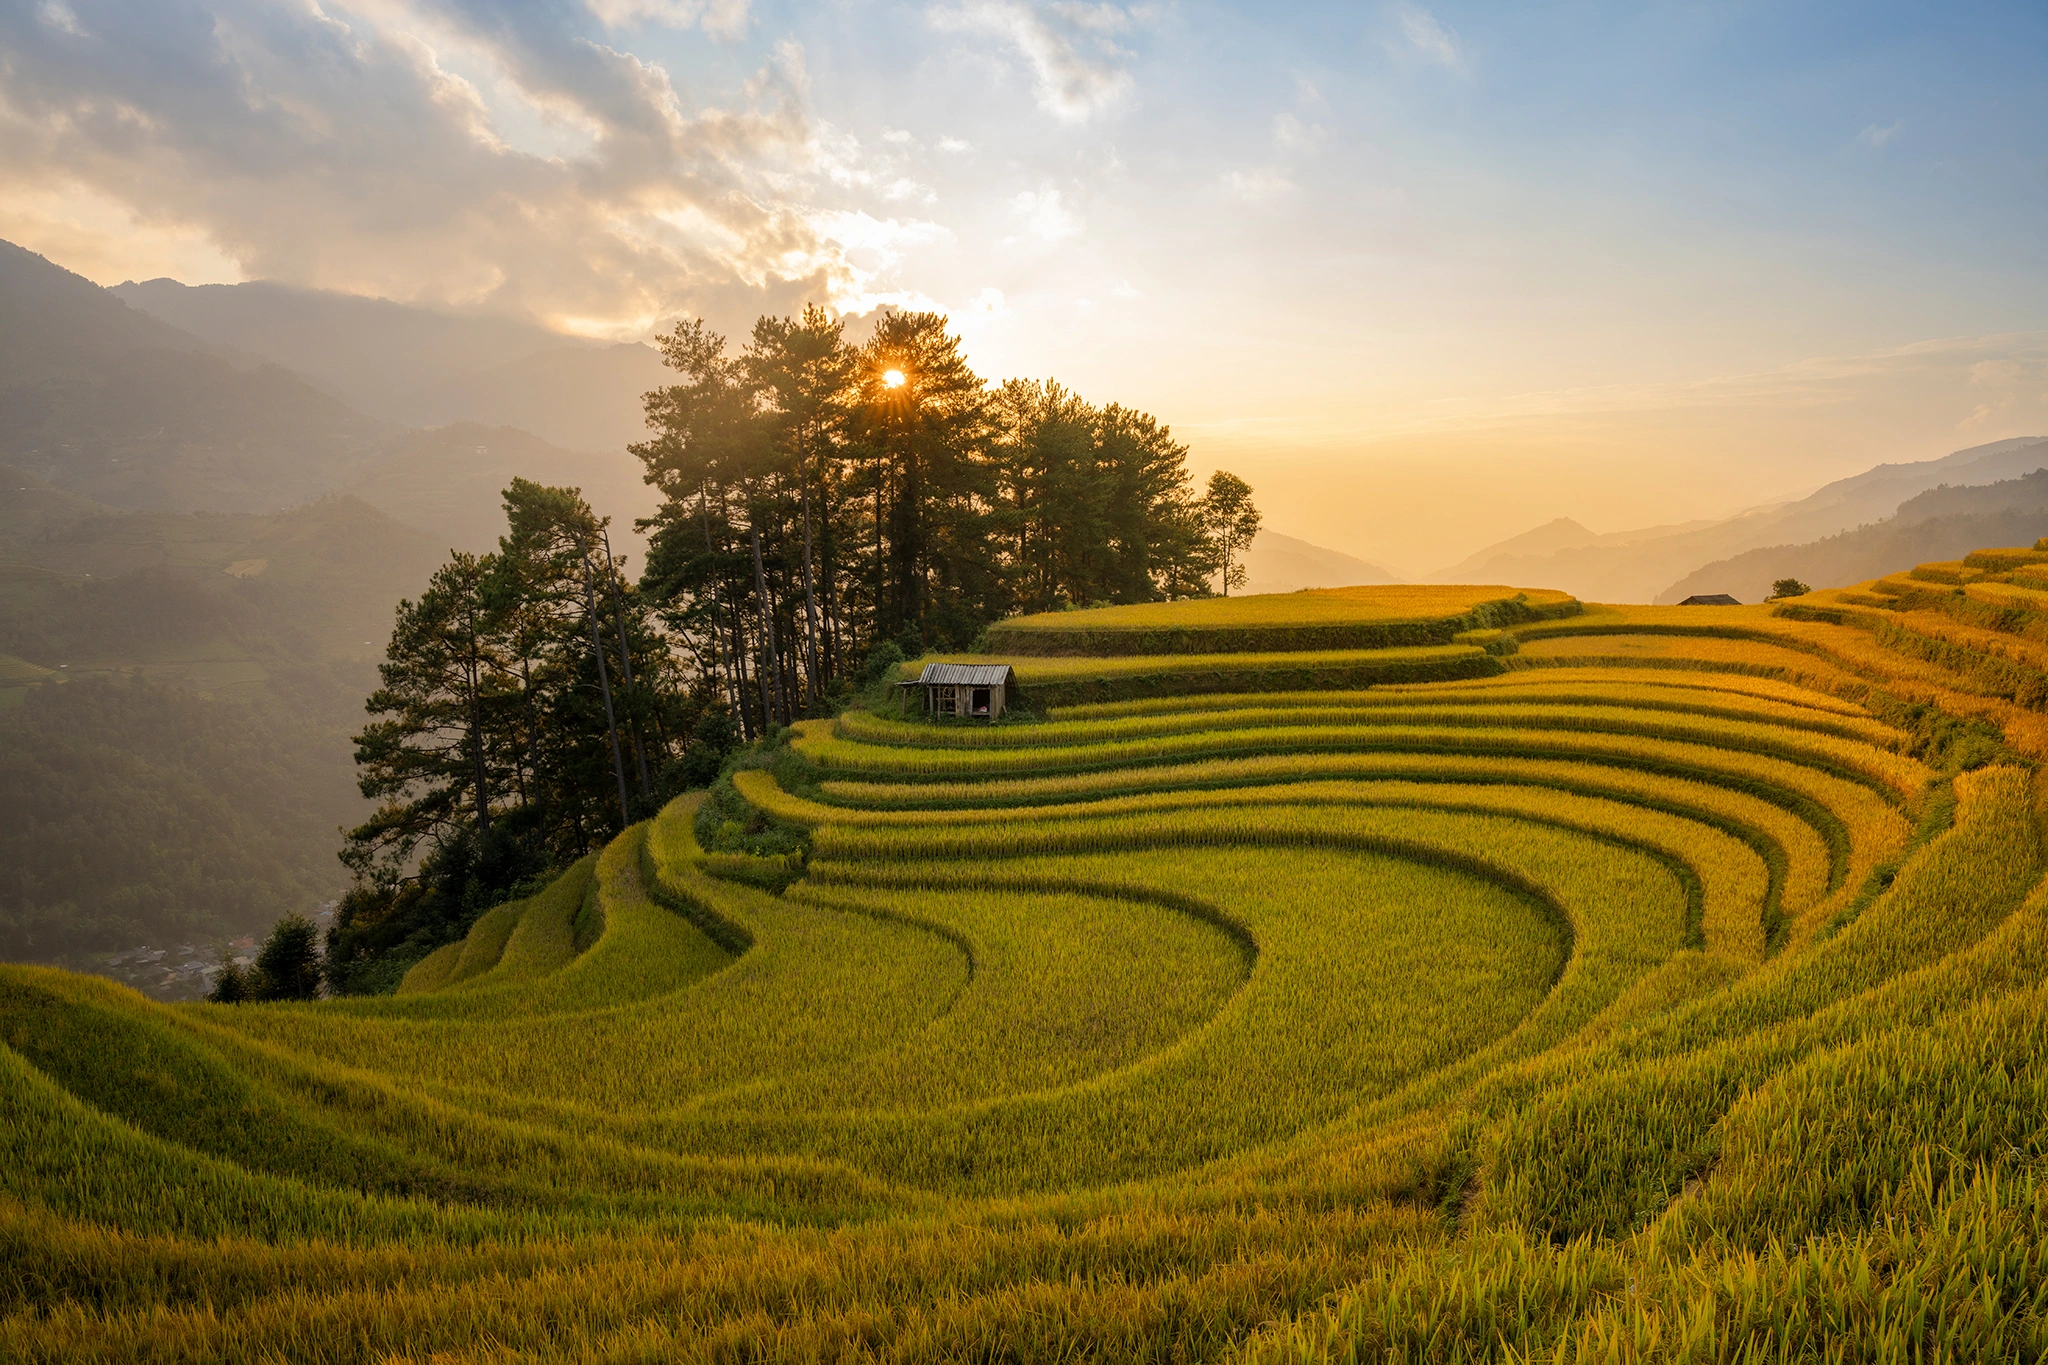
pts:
[824, 498]
[531, 708]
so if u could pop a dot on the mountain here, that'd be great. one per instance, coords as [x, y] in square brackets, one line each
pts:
[417, 366]
[222, 602]
[1278, 563]
[1943, 523]
[1637, 566]
[108, 402]
[1559, 539]
[574, 396]
[447, 482]
[177, 692]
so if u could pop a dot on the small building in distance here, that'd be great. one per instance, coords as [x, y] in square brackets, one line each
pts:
[968, 691]
[1710, 599]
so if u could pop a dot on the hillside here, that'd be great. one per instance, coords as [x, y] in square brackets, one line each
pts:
[93, 585]
[193, 680]
[417, 366]
[1645, 975]
[112, 404]
[1645, 565]
[447, 482]
[1942, 523]
[1282, 563]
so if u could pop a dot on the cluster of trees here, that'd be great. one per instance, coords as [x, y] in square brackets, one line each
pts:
[827, 507]
[288, 967]
[531, 707]
[823, 499]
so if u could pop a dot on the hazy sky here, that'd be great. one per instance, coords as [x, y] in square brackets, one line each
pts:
[1425, 275]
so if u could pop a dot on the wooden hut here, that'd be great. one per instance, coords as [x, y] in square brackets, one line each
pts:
[1710, 599]
[968, 691]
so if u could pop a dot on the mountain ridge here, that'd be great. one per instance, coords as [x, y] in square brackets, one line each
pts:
[1644, 565]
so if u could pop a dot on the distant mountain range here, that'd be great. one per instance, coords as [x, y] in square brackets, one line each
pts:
[122, 408]
[414, 366]
[1664, 563]
[1942, 523]
[283, 396]
[1281, 563]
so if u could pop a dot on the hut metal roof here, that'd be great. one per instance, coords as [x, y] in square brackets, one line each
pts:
[1710, 599]
[963, 675]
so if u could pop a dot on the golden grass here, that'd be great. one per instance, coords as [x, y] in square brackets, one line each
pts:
[1594, 1010]
[1310, 606]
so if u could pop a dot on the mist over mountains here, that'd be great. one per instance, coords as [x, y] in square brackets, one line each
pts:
[413, 366]
[276, 396]
[1804, 538]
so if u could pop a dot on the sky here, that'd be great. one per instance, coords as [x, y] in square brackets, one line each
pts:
[1426, 275]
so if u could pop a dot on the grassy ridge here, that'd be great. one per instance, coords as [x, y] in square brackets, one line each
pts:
[1375, 618]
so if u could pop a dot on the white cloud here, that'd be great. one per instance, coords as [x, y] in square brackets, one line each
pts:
[1428, 38]
[1046, 214]
[888, 236]
[719, 18]
[1880, 136]
[1073, 59]
[1256, 186]
[60, 16]
[988, 305]
[1125, 290]
[370, 146]
[1290, 134]
[896, 135]
[903, 189]
[955, 145]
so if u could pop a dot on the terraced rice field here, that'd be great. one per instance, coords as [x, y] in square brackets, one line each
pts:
[1680, 998]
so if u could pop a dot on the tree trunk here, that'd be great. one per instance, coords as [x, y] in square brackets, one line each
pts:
[626, 667]
[476, 735]
[810, 607]
[771, 676]
[604, 685]
[735, 675]
[835, 663]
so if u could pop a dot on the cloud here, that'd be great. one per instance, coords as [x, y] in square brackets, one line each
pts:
[364, 146]
[988, 305]
[61, 17]
[1428, 38]
[1073, 58]
[1046, 214]
[1256, 186]
[719, 18]
[1290, 134]
[1880, 136]
[955, 145]
[1125, 290]
[903, 189]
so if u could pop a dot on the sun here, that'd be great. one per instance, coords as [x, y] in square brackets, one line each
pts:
[892, 379]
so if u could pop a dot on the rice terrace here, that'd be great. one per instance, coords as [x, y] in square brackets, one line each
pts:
[1387, 974]
[1023, 682]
